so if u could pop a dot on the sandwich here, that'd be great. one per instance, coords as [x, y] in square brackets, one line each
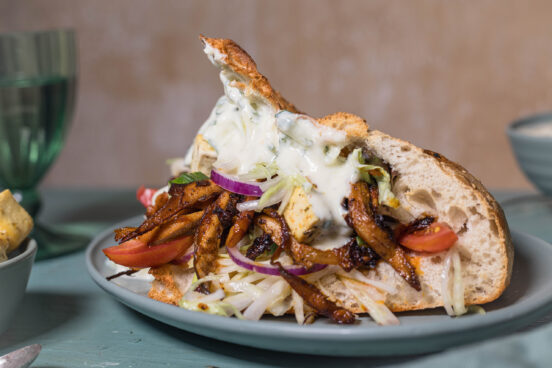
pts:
[275, 212]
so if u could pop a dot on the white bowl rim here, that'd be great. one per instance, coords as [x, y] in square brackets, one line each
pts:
[513, 128]
[27, 253]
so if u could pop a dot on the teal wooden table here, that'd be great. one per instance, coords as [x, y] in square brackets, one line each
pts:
[79, 325]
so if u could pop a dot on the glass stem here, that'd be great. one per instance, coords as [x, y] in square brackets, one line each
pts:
[29, 199]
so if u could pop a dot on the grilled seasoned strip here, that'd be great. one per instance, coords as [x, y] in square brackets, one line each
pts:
[208, 234]
[284, 235]
[305, 254]
[260, 245]
[182, 224]
[416, 225]
[122, 232]
[238, 230]
[160, 201]
[308, 256]
[372, 200]
[377, 238]
[276, 231]
[182, 197]
[314, 297]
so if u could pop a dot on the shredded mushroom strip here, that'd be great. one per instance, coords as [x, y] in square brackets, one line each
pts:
[180, 226]
[308, 256]
[240, 227]
[209, 233]
[314, 297]
[183, 197]
[378, 239]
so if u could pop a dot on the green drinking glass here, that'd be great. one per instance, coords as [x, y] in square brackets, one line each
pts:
[38, 74]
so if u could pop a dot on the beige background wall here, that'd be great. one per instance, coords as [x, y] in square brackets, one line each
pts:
[446, 75]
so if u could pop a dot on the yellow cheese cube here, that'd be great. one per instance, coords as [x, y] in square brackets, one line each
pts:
[15, 222]
[300, 217]
[203, 155]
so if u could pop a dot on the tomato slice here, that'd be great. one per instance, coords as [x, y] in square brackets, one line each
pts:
[435, 238]
[145, 195]
[137, 254]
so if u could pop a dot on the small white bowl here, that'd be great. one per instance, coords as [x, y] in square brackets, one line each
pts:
[14, 275]
[533, 152]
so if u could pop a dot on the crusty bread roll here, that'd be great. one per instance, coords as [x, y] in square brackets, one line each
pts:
[426, 183]
[429, 183]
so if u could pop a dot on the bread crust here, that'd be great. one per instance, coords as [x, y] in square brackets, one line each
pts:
[241, 63]
[498, 218]
[356, 127]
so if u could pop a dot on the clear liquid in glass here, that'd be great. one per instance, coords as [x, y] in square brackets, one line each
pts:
[33, 118]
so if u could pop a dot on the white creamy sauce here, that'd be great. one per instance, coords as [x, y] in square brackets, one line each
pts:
[537, 130]
[214, 55]
[242, 136]
[160, 191]
[308, 149]
[245, 131]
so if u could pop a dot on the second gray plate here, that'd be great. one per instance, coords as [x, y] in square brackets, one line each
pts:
[527, 298]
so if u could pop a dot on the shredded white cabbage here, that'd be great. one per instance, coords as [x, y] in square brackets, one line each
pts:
[312, 277]
[210, 303]
[243, 287]
[453, 300]
[297, 303]
[250, 276]
[261, 171]
[238, 290]
[458, 285]
[282, 303]
[229, 269]
[214, 307]
[376, 308]
[207, 278]
[279, 190]
[259, 306]
[241, 300]
[383, 179]
[265, 185]
[215, 296]
[285, 201]
[248, 205]
[445, 282]
[359, 276]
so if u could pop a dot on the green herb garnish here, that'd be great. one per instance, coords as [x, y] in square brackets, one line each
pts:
[187, 178]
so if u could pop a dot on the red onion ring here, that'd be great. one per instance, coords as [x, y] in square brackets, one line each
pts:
[235, 186]
[267, 269]
[185, 258]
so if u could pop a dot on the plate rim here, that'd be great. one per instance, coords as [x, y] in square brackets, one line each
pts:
[528, 309]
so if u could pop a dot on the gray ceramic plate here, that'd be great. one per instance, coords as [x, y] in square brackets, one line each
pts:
[527, 298]
[531, 214]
